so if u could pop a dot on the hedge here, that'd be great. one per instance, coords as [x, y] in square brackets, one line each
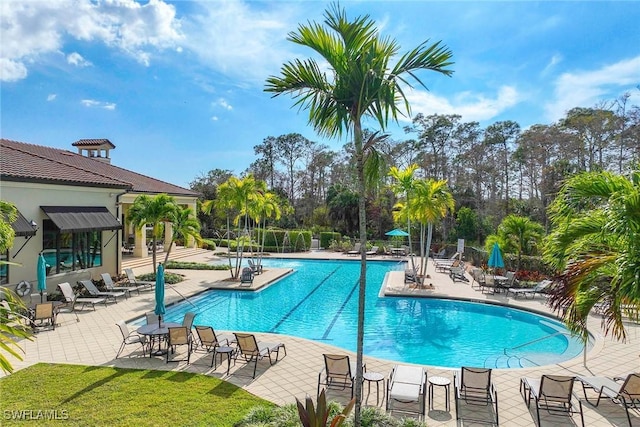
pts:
[327, 236]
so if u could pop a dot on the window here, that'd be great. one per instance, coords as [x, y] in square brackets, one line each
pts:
[4, 268]
[70, 251]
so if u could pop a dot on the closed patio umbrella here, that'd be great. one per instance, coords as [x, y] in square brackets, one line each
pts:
[160, 308]
[42, 276]
[495, 259]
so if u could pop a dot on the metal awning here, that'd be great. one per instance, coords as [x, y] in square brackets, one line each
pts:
[22, 227]
[81, 218]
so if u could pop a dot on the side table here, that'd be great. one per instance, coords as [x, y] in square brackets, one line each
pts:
[439, 382]
[229, 351]
[376, 377]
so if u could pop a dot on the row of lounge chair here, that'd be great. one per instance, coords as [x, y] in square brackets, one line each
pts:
[356, 250]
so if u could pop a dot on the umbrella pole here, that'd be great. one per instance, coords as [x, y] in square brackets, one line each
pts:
[159, 321]
[41, 297]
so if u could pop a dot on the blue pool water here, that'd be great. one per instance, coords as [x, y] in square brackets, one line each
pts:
[319, 301]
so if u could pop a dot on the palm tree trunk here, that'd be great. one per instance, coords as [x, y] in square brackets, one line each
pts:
[428, 247]
[362, 215]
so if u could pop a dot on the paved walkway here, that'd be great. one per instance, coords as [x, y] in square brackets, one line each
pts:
[95, 340]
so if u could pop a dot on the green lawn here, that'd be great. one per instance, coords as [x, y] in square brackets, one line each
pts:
[100, 396]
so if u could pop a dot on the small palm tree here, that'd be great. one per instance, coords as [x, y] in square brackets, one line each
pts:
[360, 82]
[152, 210]
[520, 235]
[184, 225]
[595, 243]
[404, 183]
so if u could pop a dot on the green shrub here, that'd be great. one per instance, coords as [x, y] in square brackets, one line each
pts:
[326, 238]
[183, 265]
[169, 278]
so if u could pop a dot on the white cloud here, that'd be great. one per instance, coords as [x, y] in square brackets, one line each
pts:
[246, 40]
[214, 118]
[586, 88]
[76, 59]
[30, 29]
[91, 103]
[555, 60]
[51, 97]
[472, 107]
[221, 102]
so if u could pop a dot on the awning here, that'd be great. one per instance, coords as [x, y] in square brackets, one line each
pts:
[22, 227]
[81, 218]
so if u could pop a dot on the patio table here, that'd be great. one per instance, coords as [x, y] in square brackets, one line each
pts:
[153, 330]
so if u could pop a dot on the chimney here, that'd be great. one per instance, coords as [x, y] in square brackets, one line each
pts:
[97, 149]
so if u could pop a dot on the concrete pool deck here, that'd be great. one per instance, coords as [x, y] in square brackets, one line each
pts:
[95, 340]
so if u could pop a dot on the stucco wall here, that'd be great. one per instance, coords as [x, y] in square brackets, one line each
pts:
[28, 197]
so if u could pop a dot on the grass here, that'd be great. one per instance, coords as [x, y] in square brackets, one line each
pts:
[90, 395]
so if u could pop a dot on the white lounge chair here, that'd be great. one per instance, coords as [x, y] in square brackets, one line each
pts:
[356, 249]
[111, 287]
[95, 292]
[407, 384]
[141, 284]
[373, 251]
[71, 298]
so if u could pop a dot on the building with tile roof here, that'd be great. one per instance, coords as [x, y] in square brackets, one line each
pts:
[73, 208]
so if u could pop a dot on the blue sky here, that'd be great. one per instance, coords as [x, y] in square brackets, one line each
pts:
[178, 86]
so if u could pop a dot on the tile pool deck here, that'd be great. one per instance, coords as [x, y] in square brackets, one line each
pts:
[95, 340]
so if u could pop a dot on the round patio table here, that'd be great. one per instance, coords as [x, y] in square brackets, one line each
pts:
[154, 330]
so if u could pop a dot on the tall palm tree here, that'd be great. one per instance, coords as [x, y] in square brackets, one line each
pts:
[184, 225]
[152, 210]
[595, 243]
[268, 206]
[360, 83]
[404, 181]
[430, 202]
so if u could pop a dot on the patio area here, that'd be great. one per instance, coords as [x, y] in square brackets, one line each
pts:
[95, 339]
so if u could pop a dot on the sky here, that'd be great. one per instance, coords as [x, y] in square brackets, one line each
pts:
[178, 87]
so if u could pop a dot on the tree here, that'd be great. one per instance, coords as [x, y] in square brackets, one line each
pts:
[520, 235]
[404, 183]
[184, 225]
[595, 243]
[154, 210]
[360, 82]
[291, 148]
[430, 202]
[9, 332]
[268, 161]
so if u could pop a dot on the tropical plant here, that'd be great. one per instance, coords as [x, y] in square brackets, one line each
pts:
[311, 416]
[430, 202]
[520, 235]
[357, 81]
[11, 313]
[154, 210]
[404, 183]
[266, 206]
[184, 225]
[595, 243]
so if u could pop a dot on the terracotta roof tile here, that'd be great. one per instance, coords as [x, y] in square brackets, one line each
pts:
[29, 162]
[92, 142]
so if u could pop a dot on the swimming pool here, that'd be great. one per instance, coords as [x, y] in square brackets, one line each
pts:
[319, 302]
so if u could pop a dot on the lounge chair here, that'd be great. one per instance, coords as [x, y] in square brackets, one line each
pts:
[373, 251]
[356, 250]
[129, 337]
[458, 273]
[131, 277]
[551, 392]
[71, 298]
[253, 350]
[537, 289]
[111, 287]
[338, 372]
[627, 393]
[210, 341]
[43, 315]
[411, 274]
[256, 268]
[95, 292]
[444, 265]
[246, 277]
[187, 320]
[407, 384]
[179, 336]
[473, 386]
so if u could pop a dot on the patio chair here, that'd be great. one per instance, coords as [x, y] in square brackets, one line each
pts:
[129, 337]
[356, 249]
[458, 273]
[407, 384]
[473, 386]
[626, 394]
[373, 251]
[71, 299]
[537, 289]
[511, 279]
[246, 278]
[43, 316]
[256, 268]
[95, 292]
[111, 287]
[338, 373]
[253, 350]
[141, 284]
[210, 341]
[179, 336]
[411, 275]
[551, 392]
